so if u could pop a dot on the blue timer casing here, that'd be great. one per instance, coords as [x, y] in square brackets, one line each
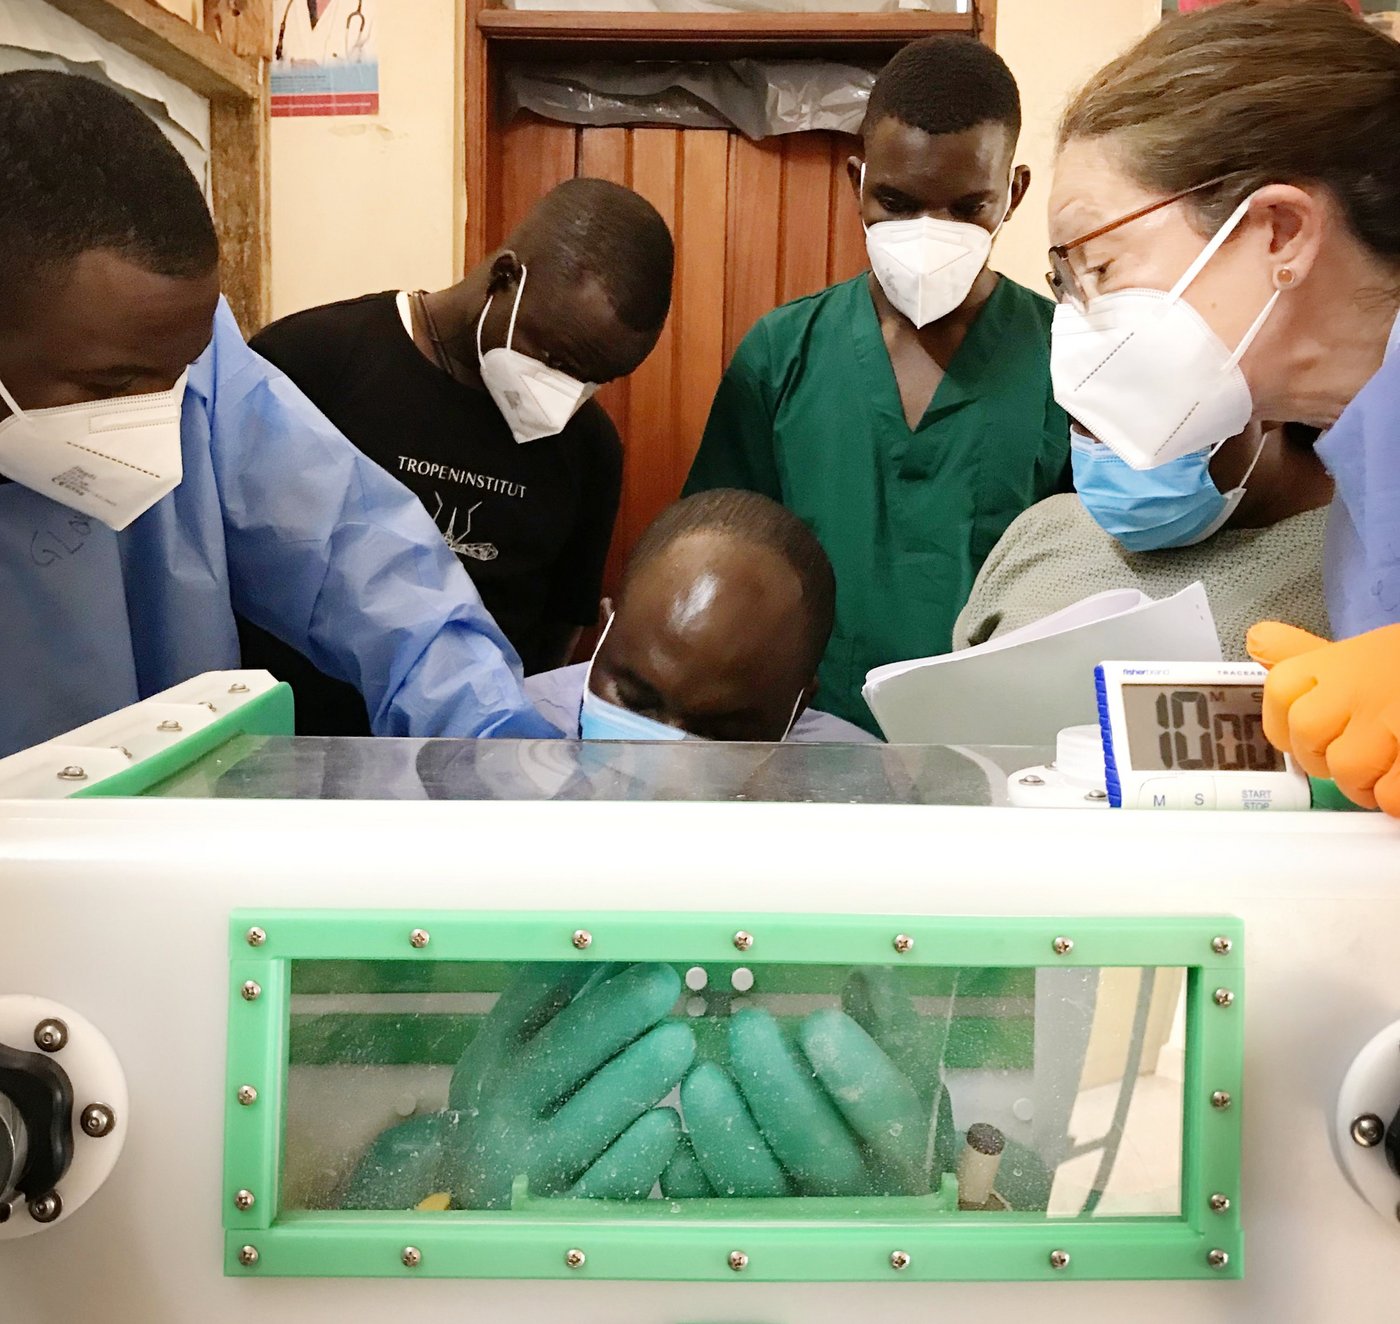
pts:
[1110, 761]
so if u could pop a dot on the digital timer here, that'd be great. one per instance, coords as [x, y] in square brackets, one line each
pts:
[1190, 735]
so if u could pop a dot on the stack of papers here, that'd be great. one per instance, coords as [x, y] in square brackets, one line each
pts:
[1025, 686]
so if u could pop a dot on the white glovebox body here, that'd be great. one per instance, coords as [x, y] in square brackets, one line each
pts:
[121, 910]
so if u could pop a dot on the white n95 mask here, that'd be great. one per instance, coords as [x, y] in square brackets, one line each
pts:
[1144, 373]
[535, 399]
[927, 267]
[109, 459]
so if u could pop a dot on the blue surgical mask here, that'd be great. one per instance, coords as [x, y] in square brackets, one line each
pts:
[1176, 504]
[600, 720]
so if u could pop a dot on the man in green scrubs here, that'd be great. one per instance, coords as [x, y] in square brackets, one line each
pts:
[905, 415]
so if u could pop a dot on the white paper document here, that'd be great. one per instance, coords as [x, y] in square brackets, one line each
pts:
[1024, 687]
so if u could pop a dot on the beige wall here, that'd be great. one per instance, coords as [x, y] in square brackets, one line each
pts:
[1052, 46]
[364, 204]
[192, 11]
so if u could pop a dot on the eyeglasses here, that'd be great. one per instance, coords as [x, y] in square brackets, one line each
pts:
[1063, 280]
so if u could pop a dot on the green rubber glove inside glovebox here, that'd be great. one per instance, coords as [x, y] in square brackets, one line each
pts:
[402, 1166]
[826, 1112]
[560, 1084]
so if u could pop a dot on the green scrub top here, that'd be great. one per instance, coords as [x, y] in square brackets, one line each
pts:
[808, 413]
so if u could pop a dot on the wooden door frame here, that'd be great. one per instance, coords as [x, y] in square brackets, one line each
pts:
[493, 33]
[239, 164]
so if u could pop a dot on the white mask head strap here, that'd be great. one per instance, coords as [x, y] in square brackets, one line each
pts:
[1249, 471]
[792, 721]
[1205, 255]
[1258, 451]
[10, 400]
[597, 648]
[514, 312]
[1254, 330]
[1211, 249]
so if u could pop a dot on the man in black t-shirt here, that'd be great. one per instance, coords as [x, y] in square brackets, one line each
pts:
[477, 398]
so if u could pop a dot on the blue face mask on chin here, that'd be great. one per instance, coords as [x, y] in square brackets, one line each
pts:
[600, 720]
[1176, 504]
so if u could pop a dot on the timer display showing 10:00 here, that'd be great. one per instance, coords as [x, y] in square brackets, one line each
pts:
[1214, 729]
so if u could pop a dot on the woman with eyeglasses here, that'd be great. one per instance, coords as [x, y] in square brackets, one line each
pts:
[1226, 218]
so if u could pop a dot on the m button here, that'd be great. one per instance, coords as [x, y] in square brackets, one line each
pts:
[1177, 793]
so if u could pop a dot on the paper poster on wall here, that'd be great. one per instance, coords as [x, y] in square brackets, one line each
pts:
[325, 59]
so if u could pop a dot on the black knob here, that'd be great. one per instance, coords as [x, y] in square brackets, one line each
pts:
[14, 1149]
[36, 1123]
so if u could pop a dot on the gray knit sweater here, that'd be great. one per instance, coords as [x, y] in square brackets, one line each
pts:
[1054, 555]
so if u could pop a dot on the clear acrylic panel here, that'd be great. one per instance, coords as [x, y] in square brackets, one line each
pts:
[383, 768]
[715, 1089]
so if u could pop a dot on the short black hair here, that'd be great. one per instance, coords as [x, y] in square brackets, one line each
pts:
[945, 85]
[82, 168]
[592, 227]
[756, 521]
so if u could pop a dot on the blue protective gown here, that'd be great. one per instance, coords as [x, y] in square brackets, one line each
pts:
[279, 518]
[1362, 453]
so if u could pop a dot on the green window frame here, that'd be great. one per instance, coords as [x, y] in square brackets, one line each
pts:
[1203, 1241]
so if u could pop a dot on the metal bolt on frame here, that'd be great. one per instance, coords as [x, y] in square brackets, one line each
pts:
[46, 1208]
[97, 1120]
[51, 1034]
[1368, 1130]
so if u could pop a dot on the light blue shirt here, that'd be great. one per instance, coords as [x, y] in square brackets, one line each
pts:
[559, 695]
[277, 517]
[1362, 453]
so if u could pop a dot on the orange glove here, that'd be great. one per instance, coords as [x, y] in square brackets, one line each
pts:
[1336, 707]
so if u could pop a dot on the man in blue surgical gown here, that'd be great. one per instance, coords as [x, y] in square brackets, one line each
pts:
[156, 474]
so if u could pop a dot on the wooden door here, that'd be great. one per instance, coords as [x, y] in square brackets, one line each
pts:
[755, 224]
